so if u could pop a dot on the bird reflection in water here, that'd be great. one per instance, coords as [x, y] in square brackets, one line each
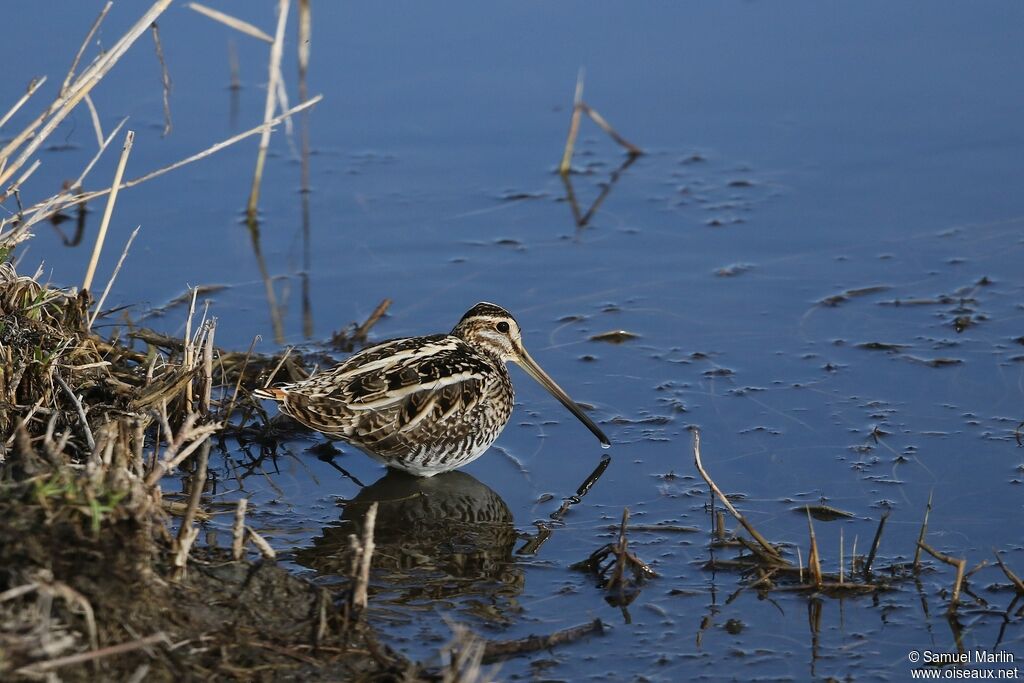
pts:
[447, 537]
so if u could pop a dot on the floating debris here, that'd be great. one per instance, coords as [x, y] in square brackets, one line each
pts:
[843, 297]
[734, 269]
[824, 513]
[615, 336]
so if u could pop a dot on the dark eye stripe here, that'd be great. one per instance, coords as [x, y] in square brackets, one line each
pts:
[502, 327]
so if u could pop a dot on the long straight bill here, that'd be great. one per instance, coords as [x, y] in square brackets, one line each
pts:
[545, 381]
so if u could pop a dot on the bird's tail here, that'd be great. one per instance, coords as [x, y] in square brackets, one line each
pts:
[272, 393]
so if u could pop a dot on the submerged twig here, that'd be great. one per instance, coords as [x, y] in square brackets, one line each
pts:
[508, 648]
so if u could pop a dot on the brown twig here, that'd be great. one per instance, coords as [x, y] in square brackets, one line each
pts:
[378, 312]
[165, 78]
[1014, 579]
[876, 542]
[959, 563]
[507, 648]
[768, 547]
[813, 556]
[607, 128]
[923, 533]
[574, 127]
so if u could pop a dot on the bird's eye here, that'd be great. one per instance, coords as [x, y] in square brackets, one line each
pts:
[502, 327]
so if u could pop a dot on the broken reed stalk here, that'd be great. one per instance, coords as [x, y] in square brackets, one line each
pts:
[207, 395]
[574, 127]
[1014, 579]
[97, 127]
[187, 533]
[924, 531]
[84, 45]
[378, 313]
[33, 86]
[238, 529]
[233, 22]
[108, 211]
[607, 128]
[113, 276]
[276, 50]
[189, 345]
[768, 547]
[876, 542]
[165, 79]
[813, 557]
[959, 563]
[261, 543]
[360, 593]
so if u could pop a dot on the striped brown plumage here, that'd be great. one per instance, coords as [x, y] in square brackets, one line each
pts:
[422, 404]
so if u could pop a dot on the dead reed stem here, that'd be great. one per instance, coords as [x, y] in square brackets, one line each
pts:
[108, 211]
[274, 71]
[360, 593]
[574, 127]
[922, 534]
[97, 127]
[632, 149]
[506, 648]
[84, 46]
[33, 85]
[186, 532]
[959, 563]
[261, 543]
[238, 530]
[233, 22]
[876, 542]
[360, 334]
[765, 545]
[813, 556]
[113, 276]
[165, 79]
[208, 348]
[1014, 579]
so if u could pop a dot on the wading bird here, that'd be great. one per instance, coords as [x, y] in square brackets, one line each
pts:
[423, 404]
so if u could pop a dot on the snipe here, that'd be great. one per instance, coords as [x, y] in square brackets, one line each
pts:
[423, 404]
